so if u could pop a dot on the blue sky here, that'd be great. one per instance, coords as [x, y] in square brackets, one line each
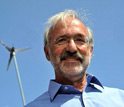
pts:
[22, 24]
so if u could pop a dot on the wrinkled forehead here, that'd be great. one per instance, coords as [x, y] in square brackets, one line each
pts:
[68, 22]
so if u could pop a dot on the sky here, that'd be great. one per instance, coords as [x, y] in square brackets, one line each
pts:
[22, 25]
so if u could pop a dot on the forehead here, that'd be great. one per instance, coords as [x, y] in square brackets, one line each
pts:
[70, 27]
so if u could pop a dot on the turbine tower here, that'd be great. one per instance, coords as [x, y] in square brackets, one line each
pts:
[12, 55]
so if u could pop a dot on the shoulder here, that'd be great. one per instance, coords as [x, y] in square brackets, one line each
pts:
[113, 91]
[112, 97]
[39, 101]
[110, 91]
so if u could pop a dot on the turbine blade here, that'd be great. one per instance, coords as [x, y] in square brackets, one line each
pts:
[19, 50]
[11, 55]
[8, 48]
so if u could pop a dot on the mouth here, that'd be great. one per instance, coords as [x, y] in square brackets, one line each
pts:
[71, 59]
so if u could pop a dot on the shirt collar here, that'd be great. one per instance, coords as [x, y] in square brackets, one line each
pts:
[53, 89]
[54, 86]
[92, 79]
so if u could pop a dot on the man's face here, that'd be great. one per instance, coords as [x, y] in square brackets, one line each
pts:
[68, 50]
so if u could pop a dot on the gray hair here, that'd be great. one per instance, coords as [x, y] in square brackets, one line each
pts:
[62, 16]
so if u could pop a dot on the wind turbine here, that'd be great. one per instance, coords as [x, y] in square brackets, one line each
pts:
[12, 55]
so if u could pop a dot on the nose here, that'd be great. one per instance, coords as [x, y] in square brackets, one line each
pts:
[71, 46]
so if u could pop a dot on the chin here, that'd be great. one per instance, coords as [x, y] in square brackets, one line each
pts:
[73, 75]
[72, 71]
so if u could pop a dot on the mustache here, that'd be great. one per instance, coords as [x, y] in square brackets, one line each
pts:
[75, 55]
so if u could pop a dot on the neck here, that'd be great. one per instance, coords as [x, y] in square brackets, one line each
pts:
[78, 84]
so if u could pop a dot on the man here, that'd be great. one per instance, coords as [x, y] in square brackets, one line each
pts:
[68, 45]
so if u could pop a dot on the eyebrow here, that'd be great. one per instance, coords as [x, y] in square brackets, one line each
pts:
[80, 35]
[61, 36]
[66, 36]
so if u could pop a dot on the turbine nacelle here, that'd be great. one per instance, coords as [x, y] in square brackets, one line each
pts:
[12, 52]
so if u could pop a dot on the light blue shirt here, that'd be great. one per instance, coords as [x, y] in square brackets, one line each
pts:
[94, 95]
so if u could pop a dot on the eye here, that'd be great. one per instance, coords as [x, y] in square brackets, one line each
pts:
[81, 40]
[61, 40]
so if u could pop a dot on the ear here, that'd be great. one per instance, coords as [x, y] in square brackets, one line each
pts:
[91, 52]
[47, 53]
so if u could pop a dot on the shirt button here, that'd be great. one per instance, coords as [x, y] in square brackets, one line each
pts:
[66, 88]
